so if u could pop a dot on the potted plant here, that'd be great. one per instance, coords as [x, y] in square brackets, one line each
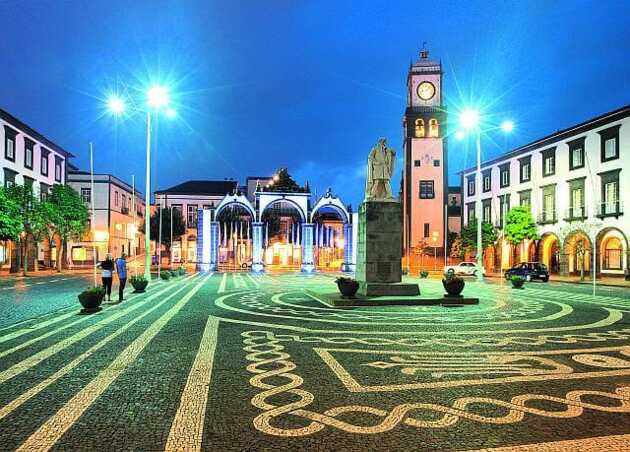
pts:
[165, 275]
[139, 283]
[424, 274]
[517, 282]
[91, 299]
[181, 270]
[347, 286]
[453, 284]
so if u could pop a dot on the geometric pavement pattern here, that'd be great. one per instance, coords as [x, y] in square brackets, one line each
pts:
[236, 361]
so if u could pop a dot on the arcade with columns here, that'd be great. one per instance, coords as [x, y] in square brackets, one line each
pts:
[280, 230]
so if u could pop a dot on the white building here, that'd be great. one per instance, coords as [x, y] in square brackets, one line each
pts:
[574, 182]
[29, 158]
[117, 215]
[187, 198]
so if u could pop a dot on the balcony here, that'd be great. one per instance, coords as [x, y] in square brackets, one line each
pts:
[576, 214]
[610, 209]
[124, 210]
[547, 217]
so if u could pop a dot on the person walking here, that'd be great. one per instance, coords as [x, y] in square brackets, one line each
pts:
[107, 268]
[121, 269]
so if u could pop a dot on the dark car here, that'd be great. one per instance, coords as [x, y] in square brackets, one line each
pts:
[529, 271]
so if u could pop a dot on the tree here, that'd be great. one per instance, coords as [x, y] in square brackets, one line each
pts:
[40, 223]
[179, 226]
[451, 237]
[23, 196]
[520, 225]
[469, 235]
[285, 184]
[456, 248]
[69, 215]
[10, 217]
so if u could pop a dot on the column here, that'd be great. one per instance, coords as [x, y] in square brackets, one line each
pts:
[307, 248]
[348, 264]
[203, 241]
[257, 250]
[563, 263]
[214, 246]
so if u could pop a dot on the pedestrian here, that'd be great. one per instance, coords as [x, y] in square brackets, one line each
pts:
[107, 268]
[121, 269]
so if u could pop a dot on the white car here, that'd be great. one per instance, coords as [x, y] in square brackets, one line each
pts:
[464, 269]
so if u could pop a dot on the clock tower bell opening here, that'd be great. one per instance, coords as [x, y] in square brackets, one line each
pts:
[424, 179]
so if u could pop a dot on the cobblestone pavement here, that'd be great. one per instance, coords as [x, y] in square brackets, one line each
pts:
[256, 362]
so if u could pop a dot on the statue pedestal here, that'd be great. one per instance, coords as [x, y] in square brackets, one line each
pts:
[379, 251]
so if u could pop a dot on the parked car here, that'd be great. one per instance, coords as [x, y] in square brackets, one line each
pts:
[529, 271]
[464, 269]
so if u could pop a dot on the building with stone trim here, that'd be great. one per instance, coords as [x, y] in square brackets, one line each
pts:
[574, 183]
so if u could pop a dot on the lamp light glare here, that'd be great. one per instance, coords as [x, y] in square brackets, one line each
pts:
[157, 97]
[171, 113]
[460, 135]
[115, 105]
[469, 119]
[507, 126]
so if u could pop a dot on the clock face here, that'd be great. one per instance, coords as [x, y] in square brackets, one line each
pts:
[426, 90]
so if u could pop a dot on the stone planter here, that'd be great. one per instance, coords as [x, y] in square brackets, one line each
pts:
[424, 274]
[347, 287]
[91, 299]
[139, 285]
[454, 286]
[517, 283]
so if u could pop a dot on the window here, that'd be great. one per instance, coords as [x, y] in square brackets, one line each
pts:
[436, 163]
[610, 204]
[576, 199]
[548, 214]
[28, 153]
[526, 168]
[58, 170]
[470, 211]
[419, 130]
[504, 170]
[610, 143]
[192, 215]
[86, 195]
[9, 144]
[426, 230]
[576, 153]
[549, 162]
[525, 198]
[44, 161]
[28, 182]
[613, 253]
[434, 128]
[43, 191]
[116, 198]
[9, 177]
[504, 206]
[471, 185]
[486, 211]
[487, 180]
[426, 189]
[417, 163]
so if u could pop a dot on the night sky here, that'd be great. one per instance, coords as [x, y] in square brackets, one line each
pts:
[308, 85]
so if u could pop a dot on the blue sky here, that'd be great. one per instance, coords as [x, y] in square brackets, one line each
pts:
[307, 85]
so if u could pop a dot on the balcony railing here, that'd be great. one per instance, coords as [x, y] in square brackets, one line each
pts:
[610, 208]
[547, 216]
[576, 213]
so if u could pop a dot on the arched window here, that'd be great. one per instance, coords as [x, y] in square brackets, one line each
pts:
[612, 254]
[419, 128]
[434, 128]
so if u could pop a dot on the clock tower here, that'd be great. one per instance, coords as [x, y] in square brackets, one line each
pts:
[424, 180]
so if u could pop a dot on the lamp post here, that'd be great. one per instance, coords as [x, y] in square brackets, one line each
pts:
[157, 99]
[470, 121]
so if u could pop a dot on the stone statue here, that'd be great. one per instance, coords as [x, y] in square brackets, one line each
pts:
[379, 172]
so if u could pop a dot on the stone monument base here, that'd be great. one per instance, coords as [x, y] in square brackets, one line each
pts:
[371, 289]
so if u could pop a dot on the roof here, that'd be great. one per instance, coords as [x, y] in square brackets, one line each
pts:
[8, 117]
[563, 134]
[259, 177]
[202, 187]
[113, 179]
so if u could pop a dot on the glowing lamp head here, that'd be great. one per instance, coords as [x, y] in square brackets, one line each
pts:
[469, 119]
[116, 105]
[171, 113]
[507, 126]
[157, 97]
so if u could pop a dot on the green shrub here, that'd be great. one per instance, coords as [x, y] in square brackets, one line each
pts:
[137, 279]
[165, 275]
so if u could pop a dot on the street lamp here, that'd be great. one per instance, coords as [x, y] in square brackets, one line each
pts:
[157, 99]
[470, 120]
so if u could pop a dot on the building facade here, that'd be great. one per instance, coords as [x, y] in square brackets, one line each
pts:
[187, 198]
[29, 158]
[424, 180]
[118, 213]
[573, 181]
